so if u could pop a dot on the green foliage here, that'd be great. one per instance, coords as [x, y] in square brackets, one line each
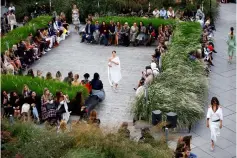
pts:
[35, 142]
[83, 141]
[16, 83]
[155, 21]
[21, 33]
[181, 88]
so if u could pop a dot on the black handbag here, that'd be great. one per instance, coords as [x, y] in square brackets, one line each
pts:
[50, 106]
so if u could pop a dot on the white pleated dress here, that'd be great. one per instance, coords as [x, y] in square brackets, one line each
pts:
[114, 72]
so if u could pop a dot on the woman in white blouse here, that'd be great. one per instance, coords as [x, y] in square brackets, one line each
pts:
[214, 120]
[170, 13]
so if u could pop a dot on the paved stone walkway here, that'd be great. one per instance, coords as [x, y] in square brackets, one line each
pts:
[222, 84]
[80, 58]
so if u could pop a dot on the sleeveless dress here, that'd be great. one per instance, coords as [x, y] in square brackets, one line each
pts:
[75, 17]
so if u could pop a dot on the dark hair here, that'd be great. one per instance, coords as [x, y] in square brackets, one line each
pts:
[198, 6]
[113, 51]
[58, 95]
[86, 75]
[96, 76]
[78, 96]
[187, 141]
[70, 73]
[58, 74]
[231, 32]
[30, 73]
[215, 100]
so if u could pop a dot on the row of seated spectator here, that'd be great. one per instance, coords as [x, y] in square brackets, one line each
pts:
[23, 54]
[154, 68]
[123, 34]
[46, 108]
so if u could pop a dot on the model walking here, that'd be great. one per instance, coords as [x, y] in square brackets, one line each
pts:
[231, 45]
[75, 17]
[214, 120]
[114, 70]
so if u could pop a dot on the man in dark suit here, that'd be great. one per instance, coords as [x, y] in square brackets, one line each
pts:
[88, 34]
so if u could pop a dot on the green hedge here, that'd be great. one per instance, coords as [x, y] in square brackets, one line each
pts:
[181, 87]
[16, 83]
[156, 22]
[21, 33]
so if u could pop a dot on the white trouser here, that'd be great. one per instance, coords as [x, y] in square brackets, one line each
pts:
[51, 41]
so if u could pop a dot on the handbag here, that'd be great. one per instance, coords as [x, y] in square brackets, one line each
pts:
[50, 106]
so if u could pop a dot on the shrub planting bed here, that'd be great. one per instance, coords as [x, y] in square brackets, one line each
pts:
[181, 87]
[16, 83]
[21, 33]
[82, 141]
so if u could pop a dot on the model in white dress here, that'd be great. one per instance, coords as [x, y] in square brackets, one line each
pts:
[114, 70]
[214, 120]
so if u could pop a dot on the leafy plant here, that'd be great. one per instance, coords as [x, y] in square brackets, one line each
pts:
[21, 33]
[16, 83]
[181, 87]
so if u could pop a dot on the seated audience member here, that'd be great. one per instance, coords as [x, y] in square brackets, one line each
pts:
[104, 34]
[35, 104]
[156, 56]
[155, 70]
[62, 106]
[118, 29]
[39, 74]
[76, 81]
[163, 13]
[25, 20]
[148, 75]
[14, 57]
[208, 54]
[6, 66]
[141, 83]
[15, 102]
[111, 30]
[6, 108]
[177, 14]
[146, 136]
[26, 92]
[86, 82]
[133, 33]
[9, 60]
[93, 118]
[76, 106]
[97, 87]
[48, 76]
[25, 110]
[156, 13]
[125, 34]
[48, 111]
[124, 131]
[43, 45]
[88, 34]
[151, 34]
[96, 33]
[52, 33]
[142, 37]
[170, 13]
[30, 73]
[45, 37]
[69, 78]
[38, 48]
[58, 76]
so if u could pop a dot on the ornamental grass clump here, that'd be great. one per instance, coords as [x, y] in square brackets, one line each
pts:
[82, 141]
[15, 83]
[181, 87]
